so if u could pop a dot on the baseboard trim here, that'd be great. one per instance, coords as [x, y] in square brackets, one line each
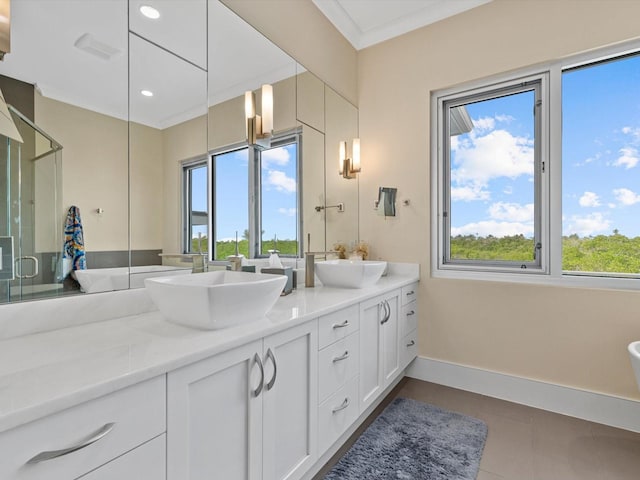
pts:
[595, 407]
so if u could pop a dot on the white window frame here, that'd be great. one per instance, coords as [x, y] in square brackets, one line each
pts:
[551, 273]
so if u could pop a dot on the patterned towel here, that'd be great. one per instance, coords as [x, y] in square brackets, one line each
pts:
[74, 240]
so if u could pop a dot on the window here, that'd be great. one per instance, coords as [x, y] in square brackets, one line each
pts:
[256, 196]
[196, 214]
[536, 177]
[600, 165]
[492, 164]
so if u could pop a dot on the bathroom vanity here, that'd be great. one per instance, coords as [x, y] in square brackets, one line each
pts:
[133, 396]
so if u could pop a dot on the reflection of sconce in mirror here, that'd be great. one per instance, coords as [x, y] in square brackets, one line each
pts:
[349, 167]
[386, 204]
[259, 127]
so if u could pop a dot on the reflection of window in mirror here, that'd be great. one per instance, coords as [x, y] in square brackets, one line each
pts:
[196, 215]
[256, 194]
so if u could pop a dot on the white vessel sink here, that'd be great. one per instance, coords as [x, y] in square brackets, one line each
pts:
[215, 300]
[349, 273]
[634, 353]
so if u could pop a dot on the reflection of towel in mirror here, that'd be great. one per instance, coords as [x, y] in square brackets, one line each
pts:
[74, 240]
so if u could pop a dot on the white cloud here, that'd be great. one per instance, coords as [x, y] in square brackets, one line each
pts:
[589, 199]
[508, 190]
[628, 158]
[275, 156]
[289, 212]
[511, 212]
[469, 193]
[586, 225]
[633, 131]
[491, 227]
[483, 124]
[497, 154]
[624, 196]
[281, 182]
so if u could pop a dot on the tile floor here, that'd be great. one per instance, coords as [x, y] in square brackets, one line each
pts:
[529, 444]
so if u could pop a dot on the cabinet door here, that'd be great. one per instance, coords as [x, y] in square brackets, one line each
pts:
[390, 339]
[371, 378]
[290, 402]
[214, 421]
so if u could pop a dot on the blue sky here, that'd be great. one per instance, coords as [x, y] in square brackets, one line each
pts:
[492, 166]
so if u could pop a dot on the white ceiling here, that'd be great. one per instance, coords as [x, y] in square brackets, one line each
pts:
[43, 33]
[367, 22]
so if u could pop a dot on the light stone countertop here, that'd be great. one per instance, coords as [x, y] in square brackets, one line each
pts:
[45, 372]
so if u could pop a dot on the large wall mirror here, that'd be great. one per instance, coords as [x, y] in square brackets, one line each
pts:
[134, 128]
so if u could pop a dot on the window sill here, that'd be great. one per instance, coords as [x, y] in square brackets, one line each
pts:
[532, 278]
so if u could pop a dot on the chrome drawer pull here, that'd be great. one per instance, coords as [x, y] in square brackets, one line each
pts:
[411, 343]
[344, 405]
[341, 325]
[258, 362]
[411, 313]
[344, 356]
[93, 438]
[410, 293]
[275, 369]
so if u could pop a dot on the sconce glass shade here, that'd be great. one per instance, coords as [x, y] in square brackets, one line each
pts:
[355, 155]
[249, 105]
[342, 155]
[267, 109]
[7, 126]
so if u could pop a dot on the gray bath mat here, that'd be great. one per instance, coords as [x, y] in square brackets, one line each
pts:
[412, 440]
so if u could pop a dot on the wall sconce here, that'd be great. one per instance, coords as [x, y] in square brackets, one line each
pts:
[349, 167]
[259, 127]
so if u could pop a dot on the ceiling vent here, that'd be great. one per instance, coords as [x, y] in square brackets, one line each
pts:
[89, 44]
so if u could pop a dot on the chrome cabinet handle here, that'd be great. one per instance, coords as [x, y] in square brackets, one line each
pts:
[344, 356]
[275, 369]
[341, 325]
[258, 362]
[344, 405]
[93, 438]
[411, 343]
[411, 313]
[387, 312]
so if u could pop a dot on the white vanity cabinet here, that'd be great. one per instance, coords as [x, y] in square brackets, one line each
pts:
[249, 413]
[379, 345]
[78, 440]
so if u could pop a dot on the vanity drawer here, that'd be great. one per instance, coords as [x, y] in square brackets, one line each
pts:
[121, 420]
[409, 293]
[408, 349]
[337, 414]
[337, 364]
[338, 325]
[147, 462]
[409, 318]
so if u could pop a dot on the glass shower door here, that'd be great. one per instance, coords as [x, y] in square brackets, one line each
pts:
[32, 216]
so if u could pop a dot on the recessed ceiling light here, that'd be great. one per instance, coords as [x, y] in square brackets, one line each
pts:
[149, 12]
[146, 93]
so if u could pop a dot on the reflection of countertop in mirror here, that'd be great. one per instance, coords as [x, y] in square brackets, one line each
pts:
[43, 373]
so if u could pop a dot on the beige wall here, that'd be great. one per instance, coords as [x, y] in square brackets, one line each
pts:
[95, 174]
[146, 176]
[94, 170]
[301, 30]
[567, 336]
